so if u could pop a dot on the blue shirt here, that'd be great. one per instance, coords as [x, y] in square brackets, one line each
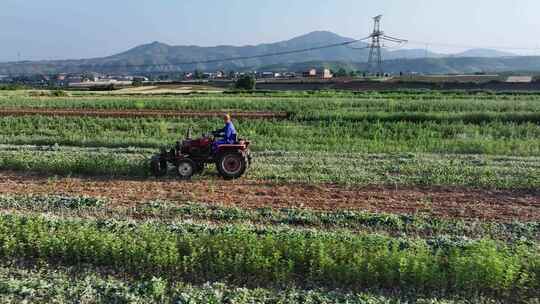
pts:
[229, 132]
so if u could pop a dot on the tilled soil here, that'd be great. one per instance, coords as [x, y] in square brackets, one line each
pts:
[135, 113]
[435, 201]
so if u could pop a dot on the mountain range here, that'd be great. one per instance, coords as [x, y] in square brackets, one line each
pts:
[159, 57]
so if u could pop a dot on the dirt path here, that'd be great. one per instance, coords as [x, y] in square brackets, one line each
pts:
[440, 202]
[135, 113]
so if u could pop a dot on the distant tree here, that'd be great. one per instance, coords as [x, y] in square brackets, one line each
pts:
[197, 74]
[246, 82]
[59, 93]
[232, 75]
[353, 73]
[341, 73]
[12, 87]
[87, 77]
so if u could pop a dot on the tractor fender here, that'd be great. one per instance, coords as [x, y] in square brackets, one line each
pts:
[230, 148]
[220, 152]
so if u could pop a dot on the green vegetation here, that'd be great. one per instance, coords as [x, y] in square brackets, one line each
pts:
[155, 255]
[97, 250]
[299, 102]
[435, 230]
[246, 83]
[276, 258]
[366, 135]
[50, 202]
[364, 169]
[447, 123]
[11, 87]
[75, 285]
[481, 140]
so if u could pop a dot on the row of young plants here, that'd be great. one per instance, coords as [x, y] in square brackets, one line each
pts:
[421, 117]
[417, 225]
[113, 223]
[417, 94]
[51, 202]
[309, 167]
[56, 147]
[369, 102]
[52, 284]
[129, 217]
[78, 163]
[394, 224]
[278, 258]
[495, 138]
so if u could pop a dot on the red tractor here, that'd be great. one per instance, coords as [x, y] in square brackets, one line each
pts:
[190, 157]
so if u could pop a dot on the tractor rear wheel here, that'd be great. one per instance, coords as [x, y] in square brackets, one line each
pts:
[185, 169]
[158, 166]
[231, 165]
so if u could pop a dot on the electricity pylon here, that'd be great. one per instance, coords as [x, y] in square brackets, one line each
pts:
[375, 56]
[377, 37]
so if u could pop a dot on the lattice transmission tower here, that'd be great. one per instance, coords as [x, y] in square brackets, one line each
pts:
[375, 56]
[377, 38]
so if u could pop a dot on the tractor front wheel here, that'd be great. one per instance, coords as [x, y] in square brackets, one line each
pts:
[185, 169]
[231, 165]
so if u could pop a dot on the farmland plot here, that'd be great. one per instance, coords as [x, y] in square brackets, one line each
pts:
[371, 197]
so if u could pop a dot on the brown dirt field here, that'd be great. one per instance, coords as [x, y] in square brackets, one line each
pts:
[134, 113]
[436, 201]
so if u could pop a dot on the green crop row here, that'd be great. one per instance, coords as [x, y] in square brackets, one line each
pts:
[278, 259]
[107, 220]
[495, 138]
[420, 117]
[394, 224]
[53, 202]
[168, 212]
[357, 103]
[365, 169]
[400, 93]
[49, 284]
[65, 163]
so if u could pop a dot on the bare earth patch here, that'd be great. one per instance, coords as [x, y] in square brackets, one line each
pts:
[498, 205]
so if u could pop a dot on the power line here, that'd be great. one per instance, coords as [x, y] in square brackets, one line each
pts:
[214, 60]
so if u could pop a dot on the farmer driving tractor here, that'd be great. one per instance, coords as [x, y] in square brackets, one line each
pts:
[228, 133]
[230, 154]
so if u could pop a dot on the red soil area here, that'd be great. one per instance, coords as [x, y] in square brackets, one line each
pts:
[445, 202]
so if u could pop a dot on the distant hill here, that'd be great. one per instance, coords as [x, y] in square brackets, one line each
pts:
[456, 65]
[159, 57]
[484, 53]
[447, 65]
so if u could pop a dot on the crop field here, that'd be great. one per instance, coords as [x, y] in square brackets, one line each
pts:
[395, 197]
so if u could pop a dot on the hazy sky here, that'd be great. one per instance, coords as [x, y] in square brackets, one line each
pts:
[60, 29]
